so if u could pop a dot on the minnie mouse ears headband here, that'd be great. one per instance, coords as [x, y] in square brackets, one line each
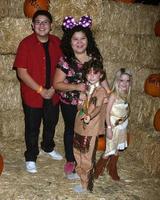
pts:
[69, 22]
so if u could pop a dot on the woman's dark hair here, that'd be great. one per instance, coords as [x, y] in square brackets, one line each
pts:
[96, 65]
[67, 50]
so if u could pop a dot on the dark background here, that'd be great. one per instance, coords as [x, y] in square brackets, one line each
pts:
[149, 2]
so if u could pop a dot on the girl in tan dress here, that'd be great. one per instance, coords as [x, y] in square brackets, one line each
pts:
[117, 121]
[89, 124]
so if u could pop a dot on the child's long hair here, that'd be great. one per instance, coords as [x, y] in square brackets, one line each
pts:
[92, 49]
[115, 88]
[96, 65]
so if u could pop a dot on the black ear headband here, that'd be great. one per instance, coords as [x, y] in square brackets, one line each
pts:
[123, 71]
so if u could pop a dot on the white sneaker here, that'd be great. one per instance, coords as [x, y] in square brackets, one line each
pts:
[53, 154]
[79, 189]
[31, 167]
[72, 176]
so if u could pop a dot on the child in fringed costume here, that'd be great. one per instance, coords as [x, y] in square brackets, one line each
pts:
[117, 121]
[89, 124]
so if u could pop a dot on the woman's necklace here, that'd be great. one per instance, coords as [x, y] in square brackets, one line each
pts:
[92, 87]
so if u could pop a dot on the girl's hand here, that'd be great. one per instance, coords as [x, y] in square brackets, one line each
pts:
[109, 133]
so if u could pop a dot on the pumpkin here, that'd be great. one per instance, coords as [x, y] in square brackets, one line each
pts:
[126, 1]
[157, 28]
[1, 164]
[152, 85]
[31, 6]
[157, 120]
[101, 143]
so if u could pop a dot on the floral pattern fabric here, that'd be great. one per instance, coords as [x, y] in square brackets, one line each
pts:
[73, 76]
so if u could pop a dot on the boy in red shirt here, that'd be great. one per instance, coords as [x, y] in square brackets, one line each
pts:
[35, 62]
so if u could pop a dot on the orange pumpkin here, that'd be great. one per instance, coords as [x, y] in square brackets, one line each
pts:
[157, 120]
[1, 164]
[152, 85]
[126, 1]
[101, 143]
[157, 28]
[31, 6]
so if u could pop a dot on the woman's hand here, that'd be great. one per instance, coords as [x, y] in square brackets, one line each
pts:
[80, 87]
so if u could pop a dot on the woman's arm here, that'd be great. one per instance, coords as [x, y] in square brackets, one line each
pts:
[59, 83]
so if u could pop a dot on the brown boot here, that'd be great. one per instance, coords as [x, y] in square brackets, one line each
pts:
[112, 168]
[100, 167]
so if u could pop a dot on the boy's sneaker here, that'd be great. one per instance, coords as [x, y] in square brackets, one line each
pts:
[72, 176]
[53, 154]
[79, 189]
[31, 167]
[69, 167]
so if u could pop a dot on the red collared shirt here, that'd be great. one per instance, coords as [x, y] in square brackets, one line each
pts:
[31, 56]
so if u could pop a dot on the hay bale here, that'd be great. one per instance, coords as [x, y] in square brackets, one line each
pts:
[143, 109]
[59, 9]
[129, 18]
[147, 147]
[77, 8]
[13, 30]
[9, 95]
[4, 8]
[117, 47]
[6, 63]
[11, 124]
[15, 8]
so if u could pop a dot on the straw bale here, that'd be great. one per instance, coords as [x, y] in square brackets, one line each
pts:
[11, 124]
[61, 8]
[149, 51]
[13, 30]
[147, 148]
[118, 47]
[130, 18]
[77, 8]
[15, 8]
[4, 8]
[9, 95]
[6, 63]
[143, 109]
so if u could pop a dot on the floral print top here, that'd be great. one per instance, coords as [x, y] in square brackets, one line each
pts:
[72, 76]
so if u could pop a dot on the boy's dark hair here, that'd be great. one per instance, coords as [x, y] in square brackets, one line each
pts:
[96, 65]
[42, 12]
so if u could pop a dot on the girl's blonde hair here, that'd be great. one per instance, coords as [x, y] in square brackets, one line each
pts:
[115, 88]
